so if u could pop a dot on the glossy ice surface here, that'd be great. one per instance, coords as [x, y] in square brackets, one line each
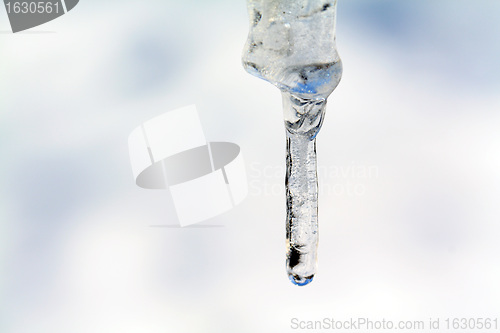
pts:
[291, 44]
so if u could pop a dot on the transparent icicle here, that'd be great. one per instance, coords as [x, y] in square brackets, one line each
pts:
[291, 44]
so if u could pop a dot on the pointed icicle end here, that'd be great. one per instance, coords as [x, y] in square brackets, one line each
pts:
[300, 281]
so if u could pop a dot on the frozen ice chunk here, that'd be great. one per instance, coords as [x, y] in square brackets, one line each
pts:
[292, 45]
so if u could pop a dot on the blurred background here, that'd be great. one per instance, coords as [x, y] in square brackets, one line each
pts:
[408, 165]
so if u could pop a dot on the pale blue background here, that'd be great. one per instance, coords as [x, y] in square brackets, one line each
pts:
[419, 103]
